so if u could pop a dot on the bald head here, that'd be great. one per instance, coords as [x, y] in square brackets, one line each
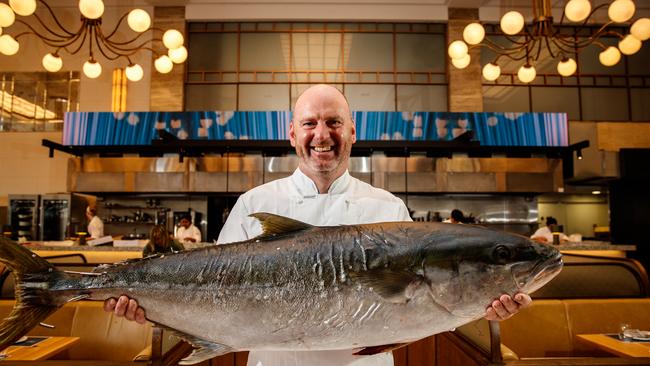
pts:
[320, 92]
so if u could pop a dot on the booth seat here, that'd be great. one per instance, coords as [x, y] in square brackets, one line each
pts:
[103, 336]
[548, 328]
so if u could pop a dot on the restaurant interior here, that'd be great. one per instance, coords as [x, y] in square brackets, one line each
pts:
[518, 113]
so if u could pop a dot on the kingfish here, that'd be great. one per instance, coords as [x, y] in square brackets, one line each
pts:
[300, 287]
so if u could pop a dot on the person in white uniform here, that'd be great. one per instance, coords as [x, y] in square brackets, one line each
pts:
[545, 234]
[95, 224]
[320, 192]
[187, 232]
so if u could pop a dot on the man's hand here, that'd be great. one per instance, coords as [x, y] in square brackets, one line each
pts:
[189, 238]
[507, 306]
[125, 307]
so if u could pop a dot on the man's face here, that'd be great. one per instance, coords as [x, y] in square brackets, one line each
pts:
[185, 223]
[322, 131]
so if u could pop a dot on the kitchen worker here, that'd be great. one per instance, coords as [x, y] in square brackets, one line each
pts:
[457, 217]
[320, 192]
[161, 242]
[187, 232]
[545, 234]
[95, 224]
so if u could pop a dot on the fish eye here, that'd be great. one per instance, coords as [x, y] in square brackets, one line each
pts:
[502, 254]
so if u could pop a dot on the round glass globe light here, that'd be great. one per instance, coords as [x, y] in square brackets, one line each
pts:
[7, 16]
[629, 45]
[610, 56]
[8, 45]
[134, 72]
[512, 22]
[91, 9]
[621, 10]
[567, 67]
[641, 29]
[457, 49]
[23, 8]
[461, 63]
[178, 55]
[491, 71]
[526, 74]
[473, 33]
[172, 39]
[577, 10]
[92, 69]
[52, 63]
[139, 20]
[163, 64]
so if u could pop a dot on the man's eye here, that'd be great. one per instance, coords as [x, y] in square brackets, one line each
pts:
[334, 123]
[308, 124]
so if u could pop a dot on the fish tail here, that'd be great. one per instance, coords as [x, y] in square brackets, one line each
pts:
[34, 301]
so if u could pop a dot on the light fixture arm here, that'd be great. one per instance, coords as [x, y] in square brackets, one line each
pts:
[54, 34]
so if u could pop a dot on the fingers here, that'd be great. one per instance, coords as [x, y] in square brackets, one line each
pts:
[109, 305]
[523, 300]
[139, 316]
[505, 307]
[120, 306]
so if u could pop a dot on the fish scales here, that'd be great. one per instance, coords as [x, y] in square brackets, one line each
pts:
[300, 287]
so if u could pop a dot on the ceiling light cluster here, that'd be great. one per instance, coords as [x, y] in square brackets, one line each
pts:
[90, 33]
[528, 41]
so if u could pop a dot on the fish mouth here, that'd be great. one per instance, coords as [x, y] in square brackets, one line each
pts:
[530, 279]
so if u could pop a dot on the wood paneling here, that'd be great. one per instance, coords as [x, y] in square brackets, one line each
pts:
[614, 136]
[167, 90]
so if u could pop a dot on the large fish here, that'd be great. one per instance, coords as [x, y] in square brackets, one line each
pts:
[301, 287]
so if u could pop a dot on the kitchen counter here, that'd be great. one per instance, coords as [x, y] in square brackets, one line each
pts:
[93, 254]
[593, 247]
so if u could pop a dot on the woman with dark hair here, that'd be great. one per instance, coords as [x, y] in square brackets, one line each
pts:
[161, 242]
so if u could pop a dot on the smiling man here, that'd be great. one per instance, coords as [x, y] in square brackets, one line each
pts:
[320, 192]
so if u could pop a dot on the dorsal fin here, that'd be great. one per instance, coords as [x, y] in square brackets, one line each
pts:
[276, 225]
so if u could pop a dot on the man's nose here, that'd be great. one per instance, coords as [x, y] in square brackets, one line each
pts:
[322, 131]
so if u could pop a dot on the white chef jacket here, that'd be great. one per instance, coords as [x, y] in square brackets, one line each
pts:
[96, 227]
[545, 232]
[348, 201]
[191, 232]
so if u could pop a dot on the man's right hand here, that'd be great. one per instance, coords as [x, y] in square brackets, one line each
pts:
[125, 307]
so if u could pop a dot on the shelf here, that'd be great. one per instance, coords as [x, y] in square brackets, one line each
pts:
[120, 207]
[129, 223]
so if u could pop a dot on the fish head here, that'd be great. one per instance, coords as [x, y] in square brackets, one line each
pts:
[467, 267]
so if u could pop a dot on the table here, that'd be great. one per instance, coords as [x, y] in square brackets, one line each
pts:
[615, 346]
[39, 351]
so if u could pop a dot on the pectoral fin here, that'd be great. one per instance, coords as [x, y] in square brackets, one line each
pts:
[394, 286]
[204, 350]
[379, 349]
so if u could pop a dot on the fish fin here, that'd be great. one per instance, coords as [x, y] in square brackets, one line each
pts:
[204, 350]
[394, 286]
[276, 225]
[34, 301]
[368, 351]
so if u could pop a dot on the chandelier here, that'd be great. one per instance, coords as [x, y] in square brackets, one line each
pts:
[528, 41]
[90, 36]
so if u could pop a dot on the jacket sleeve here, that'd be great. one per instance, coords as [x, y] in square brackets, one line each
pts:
[235, 228]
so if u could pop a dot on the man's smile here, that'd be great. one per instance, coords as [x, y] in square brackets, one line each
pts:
[322, 148]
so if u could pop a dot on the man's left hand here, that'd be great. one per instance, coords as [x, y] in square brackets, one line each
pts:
[506, 306]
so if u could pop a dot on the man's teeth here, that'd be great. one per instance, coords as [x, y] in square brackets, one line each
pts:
[322, 148]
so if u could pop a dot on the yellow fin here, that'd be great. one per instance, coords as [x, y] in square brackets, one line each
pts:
[276, 225]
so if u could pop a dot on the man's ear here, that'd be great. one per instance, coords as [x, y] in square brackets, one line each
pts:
[354, 132]
[292, 134]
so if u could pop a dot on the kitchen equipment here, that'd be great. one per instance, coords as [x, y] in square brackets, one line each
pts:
[61, 212]
[23, 215]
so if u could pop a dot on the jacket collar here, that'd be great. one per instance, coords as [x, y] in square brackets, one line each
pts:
[307, 188]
